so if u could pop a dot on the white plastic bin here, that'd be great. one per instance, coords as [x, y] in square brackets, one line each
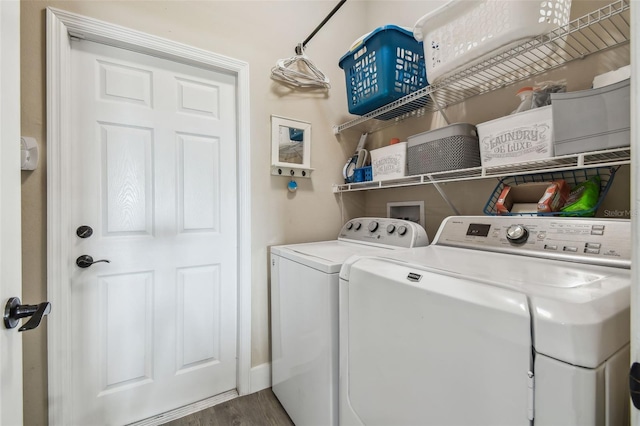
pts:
[462, 31]
[517, 138]
[592, 120]
[389, 162]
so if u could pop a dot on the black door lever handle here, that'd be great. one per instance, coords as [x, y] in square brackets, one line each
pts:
[14, 311]
[85, 261]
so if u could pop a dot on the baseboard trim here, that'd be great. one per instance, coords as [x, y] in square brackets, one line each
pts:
[163, 418]
[260, 377]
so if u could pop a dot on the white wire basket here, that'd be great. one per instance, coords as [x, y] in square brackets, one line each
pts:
[462, 32]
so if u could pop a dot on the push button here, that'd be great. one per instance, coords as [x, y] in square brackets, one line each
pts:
[592, 251]
[571, 249]
[550, 247]
[598, 227]
[593, 245]
[597, 232]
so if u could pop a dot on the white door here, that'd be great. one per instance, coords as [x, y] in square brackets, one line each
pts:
[10, 233]
[152, 166]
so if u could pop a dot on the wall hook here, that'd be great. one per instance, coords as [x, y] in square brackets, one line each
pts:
[292, 186]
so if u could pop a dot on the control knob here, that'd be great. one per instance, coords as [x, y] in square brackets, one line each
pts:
[358, 225]
[373, 225]
[349, 226]
[402, 229]
[391, 228]
[517, 234]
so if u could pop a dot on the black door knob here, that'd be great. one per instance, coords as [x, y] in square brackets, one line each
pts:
[85, 261]
[14, 311]
[634, 384]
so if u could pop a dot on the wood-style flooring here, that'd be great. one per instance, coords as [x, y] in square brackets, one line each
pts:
[257, 409]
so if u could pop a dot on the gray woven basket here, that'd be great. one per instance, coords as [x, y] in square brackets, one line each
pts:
[449, 148]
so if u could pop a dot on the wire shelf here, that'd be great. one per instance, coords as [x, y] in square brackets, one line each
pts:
[587, 160]
[602, 29]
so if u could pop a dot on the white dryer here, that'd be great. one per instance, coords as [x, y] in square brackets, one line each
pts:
[500, 321]
[304, 312]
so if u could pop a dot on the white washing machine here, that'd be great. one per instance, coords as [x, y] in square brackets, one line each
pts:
[500, 321]
[304, 312]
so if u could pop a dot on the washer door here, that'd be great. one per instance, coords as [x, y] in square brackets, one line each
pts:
[443, 350]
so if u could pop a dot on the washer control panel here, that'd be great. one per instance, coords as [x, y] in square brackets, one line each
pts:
[384, 231]
[596, 241]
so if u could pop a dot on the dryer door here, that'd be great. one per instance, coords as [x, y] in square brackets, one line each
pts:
[442, 350]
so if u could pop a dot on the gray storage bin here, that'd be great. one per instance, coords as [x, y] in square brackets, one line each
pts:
[591, 120]
[449, 148]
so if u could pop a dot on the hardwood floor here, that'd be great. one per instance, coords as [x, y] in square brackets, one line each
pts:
[260, 408]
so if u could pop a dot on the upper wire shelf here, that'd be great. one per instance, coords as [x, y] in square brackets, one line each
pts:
[597, 31]
[606, 158]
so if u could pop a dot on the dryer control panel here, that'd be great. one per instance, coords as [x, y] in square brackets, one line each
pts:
[604, 242]
[384, 231]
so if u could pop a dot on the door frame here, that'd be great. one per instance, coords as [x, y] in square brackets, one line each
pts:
[61, 27]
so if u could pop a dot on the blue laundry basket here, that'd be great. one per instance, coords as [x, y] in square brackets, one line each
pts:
[387, 65]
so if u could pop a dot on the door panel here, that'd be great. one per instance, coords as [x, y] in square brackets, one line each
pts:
[198, 186]
[127, 191]
[198, 302]
[124, 84]
[154, 154]
[125, 356]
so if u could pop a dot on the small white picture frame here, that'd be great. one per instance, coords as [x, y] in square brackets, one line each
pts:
[290, 147]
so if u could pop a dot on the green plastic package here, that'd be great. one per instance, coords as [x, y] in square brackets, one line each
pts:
[583, 198]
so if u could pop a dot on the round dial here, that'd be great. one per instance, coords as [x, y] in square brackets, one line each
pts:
[517, 234]
[373, 225]
[349, 226]
[358, 225]
[391, 228]
[402, 229]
